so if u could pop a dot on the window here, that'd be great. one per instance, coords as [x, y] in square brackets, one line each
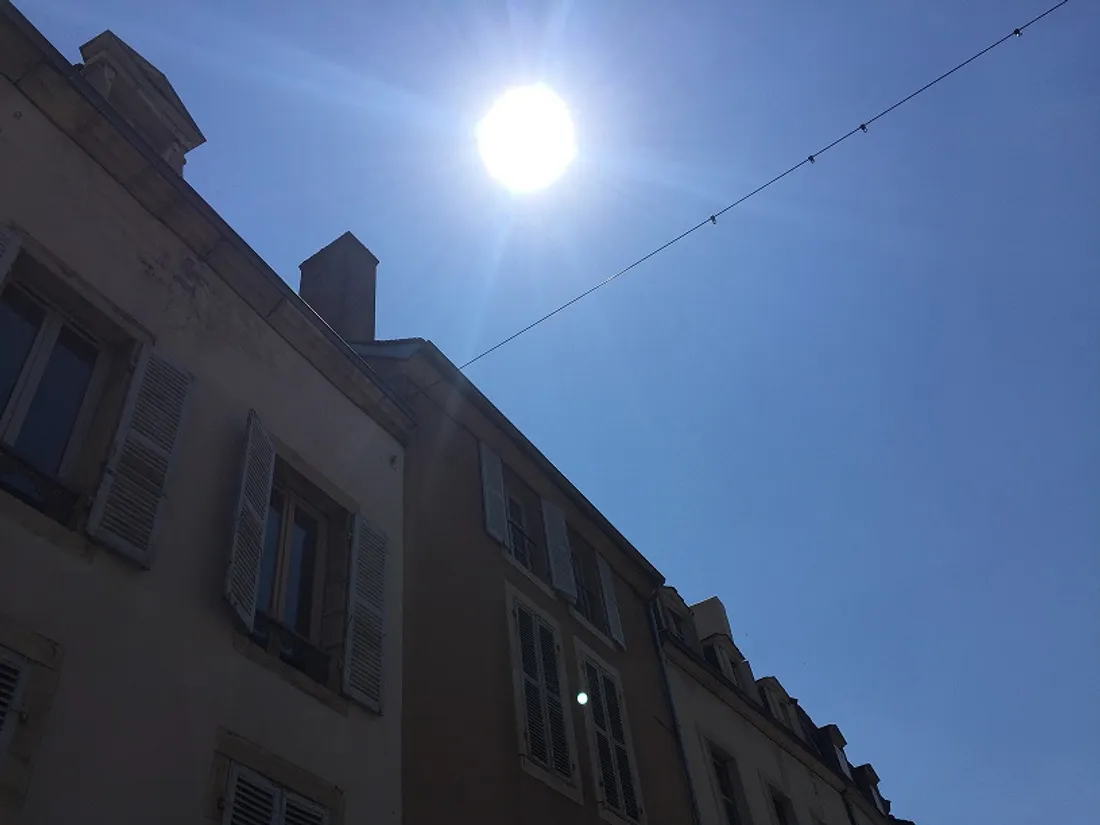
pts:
[612, 752]
[511, 511]
[843, 761]
[306, 576]
[876, 797]
[586, 572]
[725, 777]
[252, 799]
[51, 373]
[541, 692]
[13, 676]
[677, 624]
[781, 808]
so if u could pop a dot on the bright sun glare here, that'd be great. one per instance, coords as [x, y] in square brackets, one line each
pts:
[526, 140]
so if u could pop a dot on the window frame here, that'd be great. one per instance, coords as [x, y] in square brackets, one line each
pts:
[572, 787]
[14, 414]
[585, 654]
[716, 754]
[589, 592]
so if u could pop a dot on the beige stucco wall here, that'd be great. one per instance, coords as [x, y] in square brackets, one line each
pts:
[149, 670]
[761, 760]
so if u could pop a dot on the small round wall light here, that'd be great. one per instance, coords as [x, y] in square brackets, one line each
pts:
[582, 698]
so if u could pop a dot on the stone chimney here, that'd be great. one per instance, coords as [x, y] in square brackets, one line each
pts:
[339, 283]
[138, 91]
[710, 618]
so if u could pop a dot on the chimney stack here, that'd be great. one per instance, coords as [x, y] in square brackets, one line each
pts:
[339, 283]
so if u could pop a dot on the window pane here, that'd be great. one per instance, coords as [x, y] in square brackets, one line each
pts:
[303, 557]
[49, 423]
[20, 320]
[270, 560]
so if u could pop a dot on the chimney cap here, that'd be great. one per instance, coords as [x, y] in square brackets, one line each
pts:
[347, 239]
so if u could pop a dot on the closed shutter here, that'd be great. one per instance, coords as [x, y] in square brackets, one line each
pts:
[9, 249]
[13, 674]
[557, 545]
[492, 493]
[366, 615]
[614, 761]
[545, 727]
[610, 601]
[299, 811]
[252, 799]
[130, 498]
[242, 578]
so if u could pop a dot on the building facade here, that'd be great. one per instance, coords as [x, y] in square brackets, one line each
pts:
[201, 487]
[754, 754]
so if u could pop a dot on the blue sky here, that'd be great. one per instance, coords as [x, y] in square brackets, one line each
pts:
[862, 409]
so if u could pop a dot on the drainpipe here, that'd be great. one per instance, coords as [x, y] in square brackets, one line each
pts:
[653, 607]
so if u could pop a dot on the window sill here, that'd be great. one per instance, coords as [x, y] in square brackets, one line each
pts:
[591, 628]
[322, 693]
[566, 789]
[608, 815]
[543, 586]
[45, 527]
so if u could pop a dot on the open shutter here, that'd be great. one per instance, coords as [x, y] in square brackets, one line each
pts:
[242, 578]
[561, 761]
[251, 800]
[607, 783]
[492, 487]
[9, 249]
[299, 811]
[366, 615]
[13, 674]
[130, 498]
[557, 545]
[610, 601]
[617, 780]
[538, 745]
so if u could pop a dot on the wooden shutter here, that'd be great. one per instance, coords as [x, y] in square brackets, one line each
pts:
[557, 546]
[610, 601]
[366, 615]
[617, 779]
[299, 811]
[252, 799]
[13, 675]
[534, 719]
[242, 578]
[492, 489]
[130, 498]
[9, 249]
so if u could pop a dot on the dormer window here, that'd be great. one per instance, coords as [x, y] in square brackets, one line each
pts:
[843, 760]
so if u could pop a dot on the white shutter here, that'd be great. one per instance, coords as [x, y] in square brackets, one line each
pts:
[610, 601]
[366, 615]
[13, 674]
[251, 800]
[9, 249]
[614, 761]
[492, 487]
[299, 811]
[130, 497]
[242, 578]
[557, 546]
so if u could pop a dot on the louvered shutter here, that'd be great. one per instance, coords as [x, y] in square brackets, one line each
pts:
[242, 577]
[492, 489]
[13, 674]
[610, 601]
[252, 799]
[130, 498]
[557, 546]
[299, 811]
[561, 761]
[538, 745]
[366, 615]
[614, 761]
[9, 249]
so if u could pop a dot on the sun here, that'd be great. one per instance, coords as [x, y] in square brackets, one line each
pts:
[526, 140]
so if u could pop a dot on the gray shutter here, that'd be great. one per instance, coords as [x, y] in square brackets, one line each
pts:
[130, 498]
[557, 546]
[538, 746]
[492, 487]
[561, 760]
[242, 578]
[9, 249]
[251, 799]
[13, 675]
[610, 601]
[299, 811]
[366, 615]
[607, 783]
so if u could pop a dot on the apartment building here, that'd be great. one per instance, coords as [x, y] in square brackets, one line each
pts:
[754, 754]
[201, 487]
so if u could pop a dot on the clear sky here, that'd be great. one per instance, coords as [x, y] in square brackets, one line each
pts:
[864, 409]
